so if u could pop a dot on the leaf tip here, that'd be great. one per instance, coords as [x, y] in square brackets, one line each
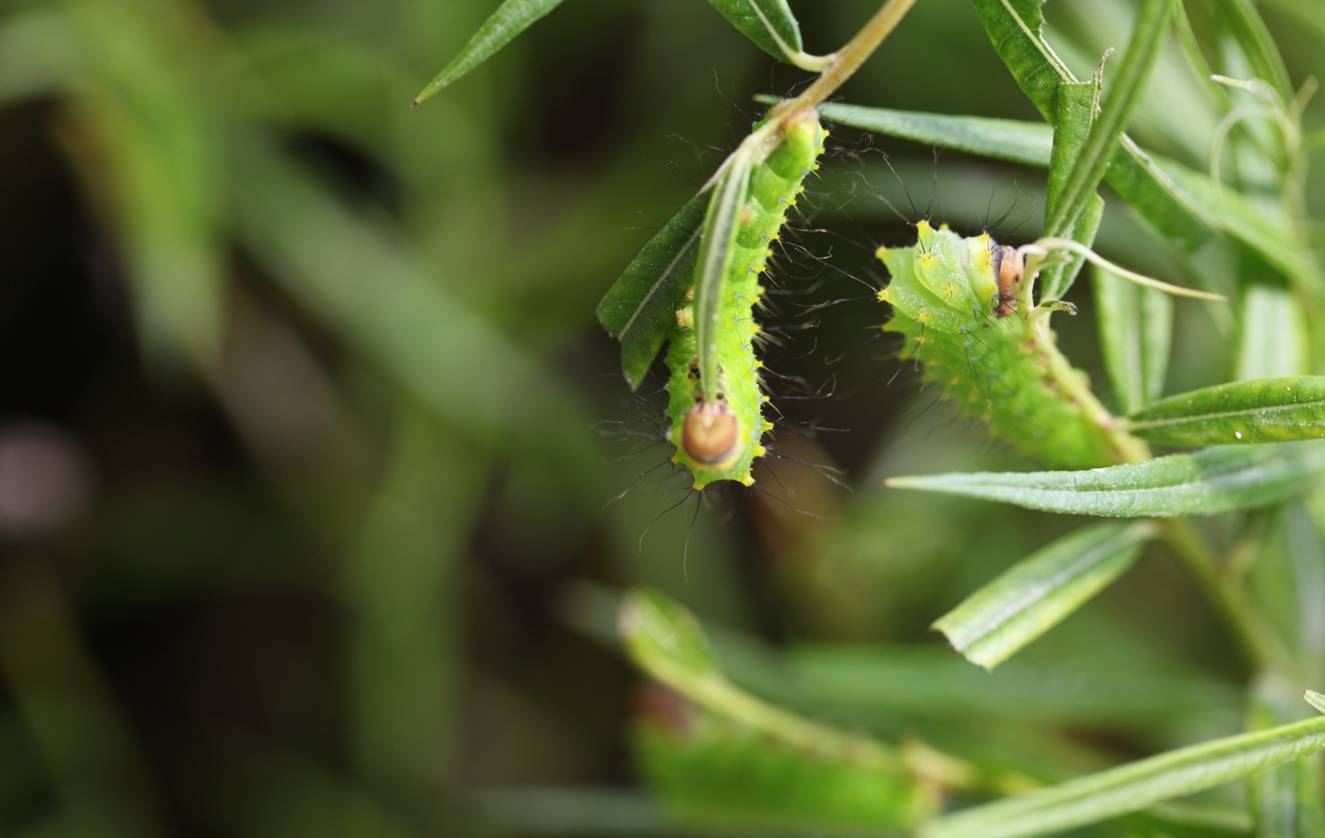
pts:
[1315, 699]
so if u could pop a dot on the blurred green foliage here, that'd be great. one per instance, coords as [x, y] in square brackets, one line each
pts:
[316, 473]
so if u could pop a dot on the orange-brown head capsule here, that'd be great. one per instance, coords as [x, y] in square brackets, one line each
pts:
[711, 434]
[1010, 266]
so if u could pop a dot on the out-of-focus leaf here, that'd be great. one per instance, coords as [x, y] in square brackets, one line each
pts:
[1266, 410]
[1274, 333]
[1260, 225]
[714, 774]
[1288, 580]
[1014, 27]
[511, 18]
[1135, 786]
[1253, 36]
[1074, 113]
[1038, 592]
[1213, 480]
[1121, 98]
[930, 681]
[743, 15]
[1285, 801]
[714, 261]
[1136, 330]
[640, 307]
[667, 641]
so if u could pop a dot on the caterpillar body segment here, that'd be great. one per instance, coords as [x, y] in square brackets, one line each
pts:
[954, 300]
[719, 439]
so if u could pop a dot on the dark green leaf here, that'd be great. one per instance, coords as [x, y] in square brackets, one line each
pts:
[511, 18]
[1135, 786]
[1074, 114]
[743, 15]
[640, 307]
[1013, 27]
[1212, 480]
[1265, 410]
[1121, 98]
[1058, 280]
[1136, 328]
[1037, 593]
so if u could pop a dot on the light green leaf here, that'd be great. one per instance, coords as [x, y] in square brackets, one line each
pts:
[1121, 98]
[1285, 801]
[715, 258]
[1274, 329]
[1037, 593]
[743, 15]
[511, 18]
[640, 307]
[1257, 44]
[1265, 410]
[1213, 480]
[1058, 280]
[1136, 328]
[1135, 786]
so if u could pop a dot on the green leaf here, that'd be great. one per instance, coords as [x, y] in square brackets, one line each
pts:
[1136, 329]
[1074, 113]
[1014, 28]
[1253, 36]
[1274, 329]
[1014, 140]
[666, 640]
[1213, 480]
[709, 772]
[1040, 591]
[511, 18]
[715, 258]
[640, 307]
[1058, 280]
[1285, 801]
[743, 15]
[1266, 410]
[1135, 786]
[1120, 101]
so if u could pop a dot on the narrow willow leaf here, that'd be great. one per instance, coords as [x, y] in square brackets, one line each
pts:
[640, 307]
[1213, 480]
[743, 15]
[1266, 410]
[1274, 329]
[1014, 28]
[1016, 141]
[1261, 226]
[1040, 591]
[1288, 581]
[1284, 801]
[1135, 786]
[1136, 329]
[1074, 114]
[1121, 99]
[511, 18]
[715, 257]
[667, 642]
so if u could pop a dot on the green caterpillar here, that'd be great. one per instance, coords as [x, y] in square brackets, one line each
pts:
[956, 300]
[719, 439]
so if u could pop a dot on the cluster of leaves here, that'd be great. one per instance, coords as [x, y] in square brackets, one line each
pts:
[1256, 440]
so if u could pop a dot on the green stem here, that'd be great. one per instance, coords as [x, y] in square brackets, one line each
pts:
[1253, 637]
[844, 63]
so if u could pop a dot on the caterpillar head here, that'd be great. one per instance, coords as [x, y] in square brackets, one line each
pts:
[1009, 267]
[711, 435]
